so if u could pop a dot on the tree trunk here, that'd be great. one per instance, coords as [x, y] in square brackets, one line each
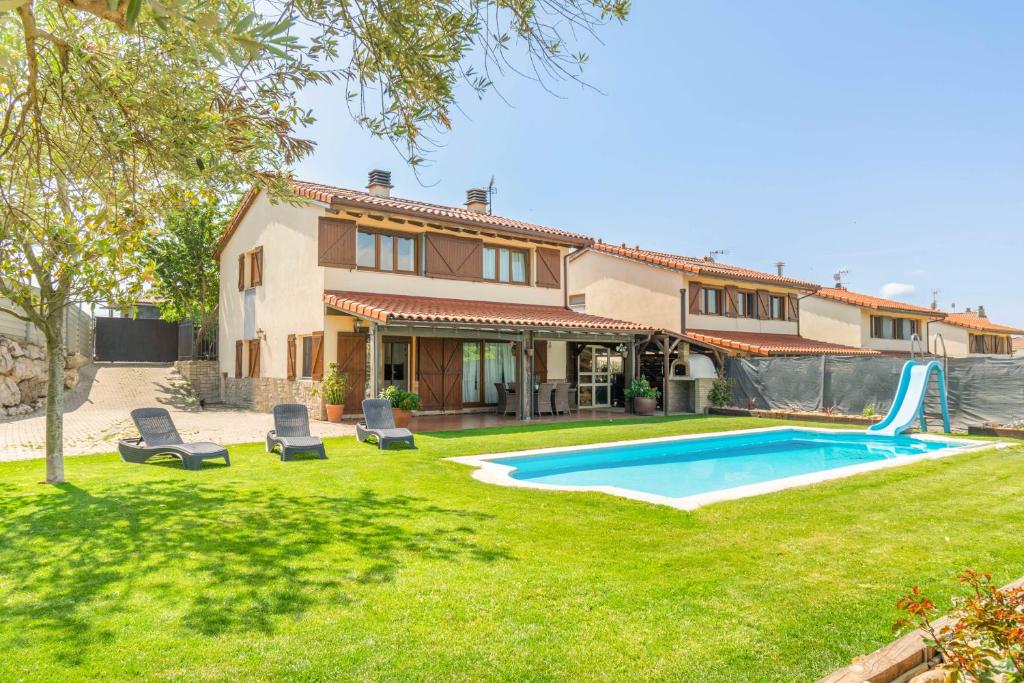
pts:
[55, 404]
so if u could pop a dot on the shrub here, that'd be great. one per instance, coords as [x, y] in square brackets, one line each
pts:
[720, 393]
[869, 410]
[403, 400]
[984, 637]
[640, 387]
[333, 387]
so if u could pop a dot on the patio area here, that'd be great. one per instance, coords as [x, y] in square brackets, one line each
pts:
[457, 421]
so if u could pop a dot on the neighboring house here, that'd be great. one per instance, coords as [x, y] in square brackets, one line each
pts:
[735, 311]
[839, 316]
[445, 301]
[971, 333]
[1018, 347]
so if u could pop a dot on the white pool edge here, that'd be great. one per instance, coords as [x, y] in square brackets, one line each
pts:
[494, 473]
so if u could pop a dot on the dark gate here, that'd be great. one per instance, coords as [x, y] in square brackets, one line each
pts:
[139, 340]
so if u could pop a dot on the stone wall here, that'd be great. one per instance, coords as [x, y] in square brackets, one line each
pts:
[23, 381]
[263, 393]
[204, 376]
[701, 389]
[689, 395]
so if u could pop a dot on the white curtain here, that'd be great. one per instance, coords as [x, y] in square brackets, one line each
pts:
[518, 266]
[499, 366]
[470, 373]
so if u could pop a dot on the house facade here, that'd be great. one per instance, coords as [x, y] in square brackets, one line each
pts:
[971, 333]
[445, 301]
[841, 316]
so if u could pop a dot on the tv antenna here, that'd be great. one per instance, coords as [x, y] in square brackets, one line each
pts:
[935, 299]
[716, 253]
[492, 190]
[838, 277]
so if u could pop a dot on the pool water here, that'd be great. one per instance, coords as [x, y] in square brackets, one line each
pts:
[691, 466]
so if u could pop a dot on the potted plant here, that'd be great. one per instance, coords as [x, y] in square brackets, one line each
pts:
[643, 396]
[332, 390]
[402, 404]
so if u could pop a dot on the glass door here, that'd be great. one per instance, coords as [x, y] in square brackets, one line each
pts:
[594, 365]
[471, 373]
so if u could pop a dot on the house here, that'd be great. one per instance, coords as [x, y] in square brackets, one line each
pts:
[445, 301]
[971, 333]
[841, 316]
[707, 309]
[1018, 347]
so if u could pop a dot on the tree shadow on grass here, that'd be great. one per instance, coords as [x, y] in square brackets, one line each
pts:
[216, 560]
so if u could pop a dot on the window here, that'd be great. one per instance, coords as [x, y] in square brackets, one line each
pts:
[746, 304]
[307, 357]
[249, 314]
[989, 343]
[503, 264]
[886, 327]
[711, 301]
[396, 364]
[776, 307]
[578, 302]
[385, 252]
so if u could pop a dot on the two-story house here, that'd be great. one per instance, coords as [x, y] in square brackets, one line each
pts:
[971, 333]
[446, 301]
[840, 316]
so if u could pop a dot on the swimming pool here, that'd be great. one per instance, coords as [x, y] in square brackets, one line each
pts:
[690, 471]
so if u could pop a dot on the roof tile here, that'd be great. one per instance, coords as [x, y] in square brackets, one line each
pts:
[874, 302]
[764, 344]
[973, 321]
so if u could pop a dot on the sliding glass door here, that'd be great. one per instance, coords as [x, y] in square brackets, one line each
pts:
[483, 365]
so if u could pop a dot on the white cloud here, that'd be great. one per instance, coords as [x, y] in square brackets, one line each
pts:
[894, 290]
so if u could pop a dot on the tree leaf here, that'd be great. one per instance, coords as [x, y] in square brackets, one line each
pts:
[131, 15]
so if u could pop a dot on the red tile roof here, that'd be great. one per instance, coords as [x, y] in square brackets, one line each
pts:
[1018, 344]
[875, 303]
[973, 321]
[764, 344]
[402, 308]
[699, 266]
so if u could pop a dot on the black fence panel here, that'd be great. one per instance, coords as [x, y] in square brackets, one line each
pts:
[136, 340]
[191, 348]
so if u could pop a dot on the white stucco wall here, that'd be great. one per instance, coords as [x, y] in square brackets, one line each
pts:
[830, 321]
[957, 339]
[626, 290]
[556, 361]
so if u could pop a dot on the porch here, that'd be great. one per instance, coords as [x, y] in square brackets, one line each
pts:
[480, 420]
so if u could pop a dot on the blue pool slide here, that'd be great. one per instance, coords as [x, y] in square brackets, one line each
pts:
[908, 405]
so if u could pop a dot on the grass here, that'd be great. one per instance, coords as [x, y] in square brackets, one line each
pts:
[399, 566]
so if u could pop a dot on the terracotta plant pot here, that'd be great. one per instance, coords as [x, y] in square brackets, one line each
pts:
[334, 412]
[402, 417]
[644, 406]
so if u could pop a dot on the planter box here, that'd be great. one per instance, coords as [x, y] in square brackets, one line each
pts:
[803, 417]
[402, 417]
[645, 406]
[1006, 432]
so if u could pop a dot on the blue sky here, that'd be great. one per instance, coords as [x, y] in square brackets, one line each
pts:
[882, 137]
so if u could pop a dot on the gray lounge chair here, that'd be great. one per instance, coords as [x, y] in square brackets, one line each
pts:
[379, 421]
[159, 437]
[291, 432]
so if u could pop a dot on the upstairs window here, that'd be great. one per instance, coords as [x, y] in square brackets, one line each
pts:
[746, 304]
[887, 327]
[776, 307]
[385, 252]
[504, 264]
[711, 301]
[578, 302]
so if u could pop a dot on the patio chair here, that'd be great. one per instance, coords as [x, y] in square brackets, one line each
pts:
[158, 436]
[379, 421]
[544, 395]
[291, 432]
[562, 404]
[505, 406]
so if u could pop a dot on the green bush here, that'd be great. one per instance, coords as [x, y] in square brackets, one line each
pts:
[333, 387]
[869, 410]
[641, 388]
[403, 400]
[720, 394]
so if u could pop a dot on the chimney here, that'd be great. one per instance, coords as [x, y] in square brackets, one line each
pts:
[981, 312]
[779, 266]
[476, 200]
[380, 183]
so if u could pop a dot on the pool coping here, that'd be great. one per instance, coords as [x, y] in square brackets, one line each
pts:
[491, 472]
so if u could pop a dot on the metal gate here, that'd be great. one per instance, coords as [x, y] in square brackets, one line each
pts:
[138, 340]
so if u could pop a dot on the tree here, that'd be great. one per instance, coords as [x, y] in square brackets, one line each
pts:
[111, 108]
[186, 271]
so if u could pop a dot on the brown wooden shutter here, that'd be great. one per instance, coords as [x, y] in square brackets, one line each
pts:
[430, 368]
[241, 272]
[730, 302]
[794, 308]
[336, 242]
[764, 305]
[254, 358]
[238, 358]
[540, 361]
[352, 363]
[455, 258]
[695, 298]
[256, 275]
[291, 356]
[549, 271]
[318, 356]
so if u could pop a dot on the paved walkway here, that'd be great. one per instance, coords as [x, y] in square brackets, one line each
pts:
[96, 414]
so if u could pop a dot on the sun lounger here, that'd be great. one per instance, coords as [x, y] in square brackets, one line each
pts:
[379, 421]
[158, 436]
[291, 432]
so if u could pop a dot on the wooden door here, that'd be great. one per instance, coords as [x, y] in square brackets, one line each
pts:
[440, 372]
[452, 374]
[352, 361]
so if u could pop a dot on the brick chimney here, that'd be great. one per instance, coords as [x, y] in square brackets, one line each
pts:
[380, 183]
[476, 200]
[981, 312]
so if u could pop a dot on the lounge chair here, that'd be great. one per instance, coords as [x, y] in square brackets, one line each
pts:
[291, 432]
[159, 437]
[379, 421]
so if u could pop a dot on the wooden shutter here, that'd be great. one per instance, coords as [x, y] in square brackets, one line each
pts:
[336, 242]
[352, 362]
[730, 302]
[256, 275]
[794, 308]
[540, 361]
[695, 291]
[455, 258]
[254, 358]
[238, 358]
[291, 356]
[764, 305]
[549, 270]
[318, 356]
[452, 379]
[241, 272]
[430, 368]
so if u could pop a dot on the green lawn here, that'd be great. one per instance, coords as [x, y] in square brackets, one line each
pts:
[399, 566]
